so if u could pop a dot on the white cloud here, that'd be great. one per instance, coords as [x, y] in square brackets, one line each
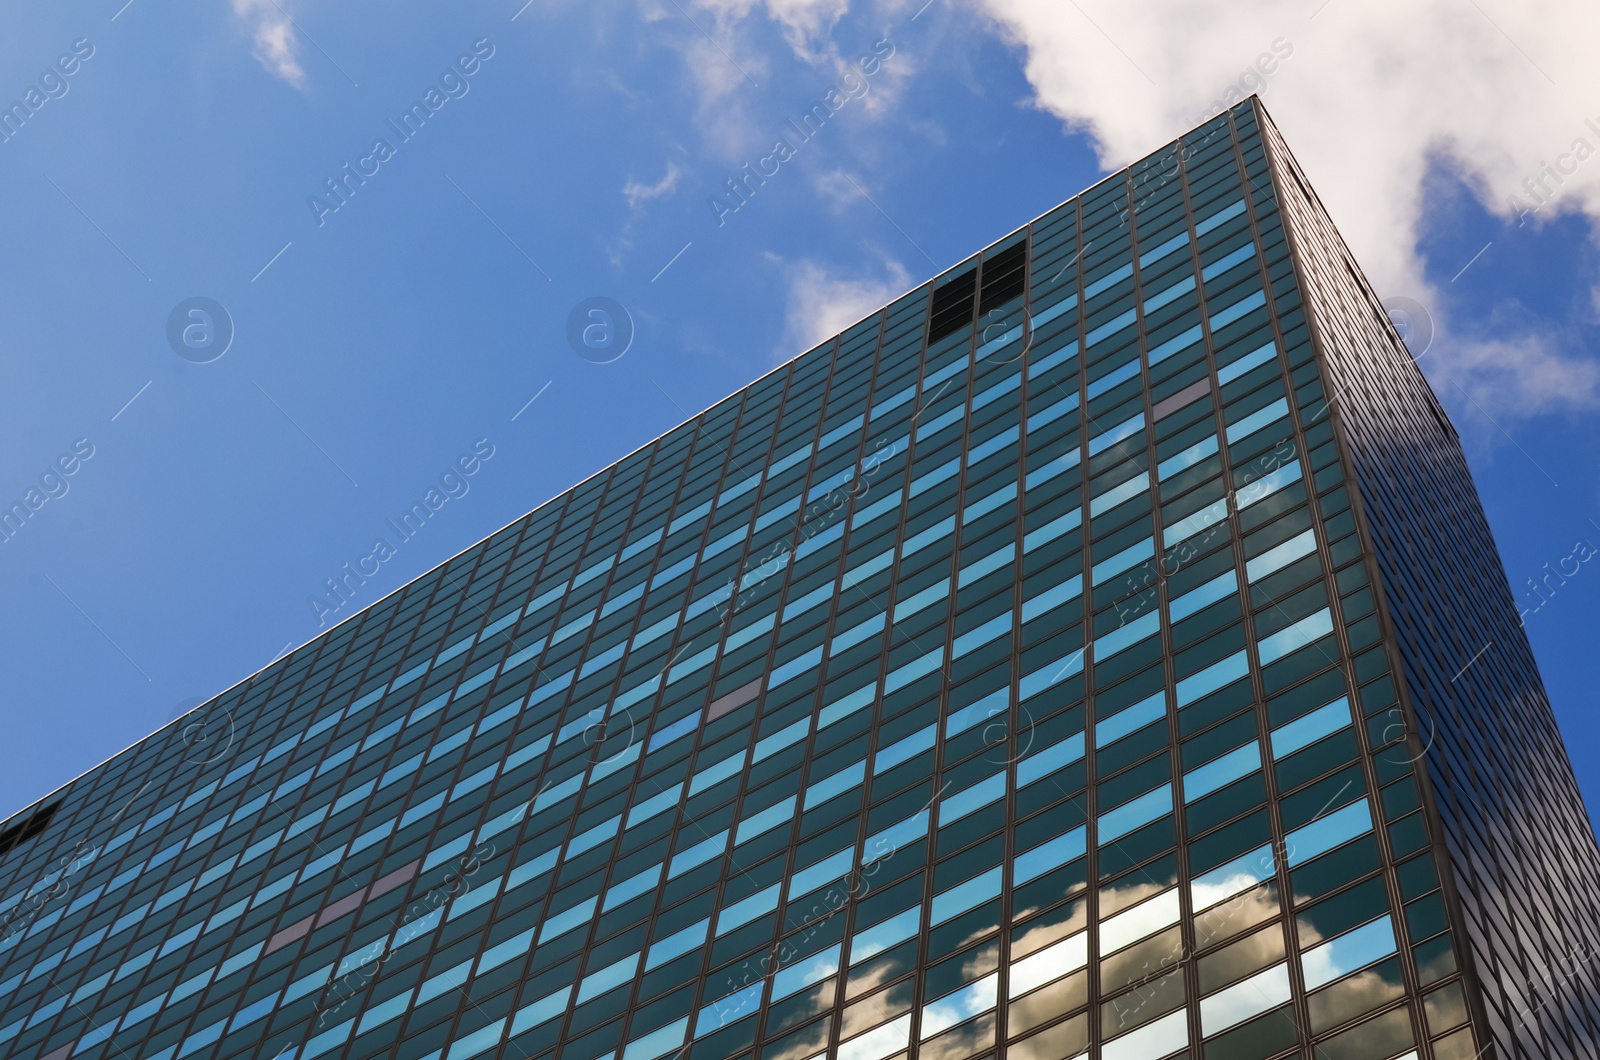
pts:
[275, 46]
[806, 24]
[1368, 94]
[837, 188]
[725, 44]
[1521, 377]
[638, 192]
[822, 303]
[721, 71]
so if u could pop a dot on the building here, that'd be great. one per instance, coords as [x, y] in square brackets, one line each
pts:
[1099, 651]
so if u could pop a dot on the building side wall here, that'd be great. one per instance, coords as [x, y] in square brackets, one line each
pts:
[1520, 844]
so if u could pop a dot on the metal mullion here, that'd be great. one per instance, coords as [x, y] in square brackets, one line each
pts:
[253, 830]
[920, 352]
[1185, 965]
[743, 558]
[924, 938]
[305, 679]
[655, 916]
[1086, 603]
[485, 611]
[1247, 621]
[1173, 738]
[1389, 640]
[1142, 345]
[1173, 742]
[521, 827]
[688, 461]
[300, 690]
[55, 1026]
[1091, 970]
[705, 533]
[591, 930]
[744, 552]
[1008, 844]
[1299, 994]
[957, 543]
[435, 593]
[655, 912]
[1235, 545]
[350, 767]
[501, 898]
[389, 842]
[366, 675]
[456, 615]
[452, 626]
[583, 654]
[587, 522]
[1189, 916]
[847, 910]
[828, 630]
[1368, 561]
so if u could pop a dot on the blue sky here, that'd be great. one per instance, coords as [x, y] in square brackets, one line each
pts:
[575, 153]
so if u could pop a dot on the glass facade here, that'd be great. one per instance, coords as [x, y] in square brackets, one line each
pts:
[1042, 668]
